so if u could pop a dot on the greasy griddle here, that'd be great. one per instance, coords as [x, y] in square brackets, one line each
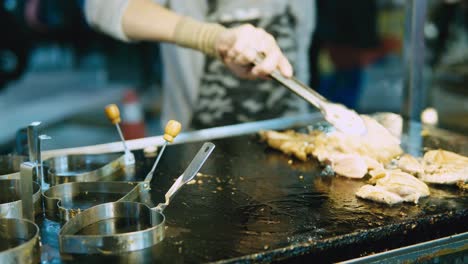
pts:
[255, 203]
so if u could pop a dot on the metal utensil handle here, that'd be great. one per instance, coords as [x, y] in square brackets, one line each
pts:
[150, 174]
[189, 173]
[296, 86]
[134, 193]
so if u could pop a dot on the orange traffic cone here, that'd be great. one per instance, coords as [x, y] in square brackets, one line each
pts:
[133, 123]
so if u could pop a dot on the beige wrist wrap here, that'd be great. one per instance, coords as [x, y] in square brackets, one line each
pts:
[201, 36]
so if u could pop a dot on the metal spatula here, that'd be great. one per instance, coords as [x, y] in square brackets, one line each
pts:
[342, 118]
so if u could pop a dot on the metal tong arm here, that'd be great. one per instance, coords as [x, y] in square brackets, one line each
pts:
[189, 173]
[297, 87]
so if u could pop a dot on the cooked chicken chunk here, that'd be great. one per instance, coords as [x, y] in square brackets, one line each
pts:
[290, 142]
[352, 166]
[410, 164]
[462, 185]
[350, 155]
[444, 167]
[392, 122]
[377, 144]
[445, 157]
[394, 187]
[405, 185]
[446, 176]
[378, 194]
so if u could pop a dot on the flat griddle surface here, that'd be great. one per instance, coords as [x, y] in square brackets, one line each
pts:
[252, 203]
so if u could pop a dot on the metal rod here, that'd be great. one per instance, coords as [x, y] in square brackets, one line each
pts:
[26, 189]
[195, 136]
[122, 138]
[414, 88]
[33, 146]
[150, 174]
[40, 175]
[33, 133]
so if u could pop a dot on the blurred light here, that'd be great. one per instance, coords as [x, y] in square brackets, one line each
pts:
[8, 61]
[9, 5]
[431, 31]
[430, 116]
[150, 151]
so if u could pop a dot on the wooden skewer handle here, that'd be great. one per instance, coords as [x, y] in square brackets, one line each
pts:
[171, 130]
[113, 113]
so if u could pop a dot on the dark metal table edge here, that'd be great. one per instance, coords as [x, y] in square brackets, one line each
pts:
[302, 249]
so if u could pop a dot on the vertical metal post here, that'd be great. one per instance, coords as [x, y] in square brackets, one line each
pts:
[26, 189]
[33, 135]
[40, 165]
[414, 88]
[33, 147]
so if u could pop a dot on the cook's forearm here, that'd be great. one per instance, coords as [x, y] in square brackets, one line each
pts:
[146, 20]
[132, 19]
[106, 16]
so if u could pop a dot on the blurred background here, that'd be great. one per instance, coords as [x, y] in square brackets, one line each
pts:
[54, 68]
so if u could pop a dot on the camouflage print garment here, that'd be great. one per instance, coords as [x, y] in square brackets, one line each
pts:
[225, 99]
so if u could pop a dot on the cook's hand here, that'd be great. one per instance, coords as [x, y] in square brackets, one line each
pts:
[239, 46]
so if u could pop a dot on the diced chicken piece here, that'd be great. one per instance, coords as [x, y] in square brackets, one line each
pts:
[290, 142]
[410, 164]
[462, 185]
[373, 164]
[350, 155]
[377, 174]
[377, 144]
[298, 149]
[378, 194]
[352, 166]
[394, 184]
[392, 122]
[446, 176]
[444, 167]
[442, 157]
[405, 185]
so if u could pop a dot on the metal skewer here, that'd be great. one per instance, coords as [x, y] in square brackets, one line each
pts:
[171, 130]
[113, 114]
